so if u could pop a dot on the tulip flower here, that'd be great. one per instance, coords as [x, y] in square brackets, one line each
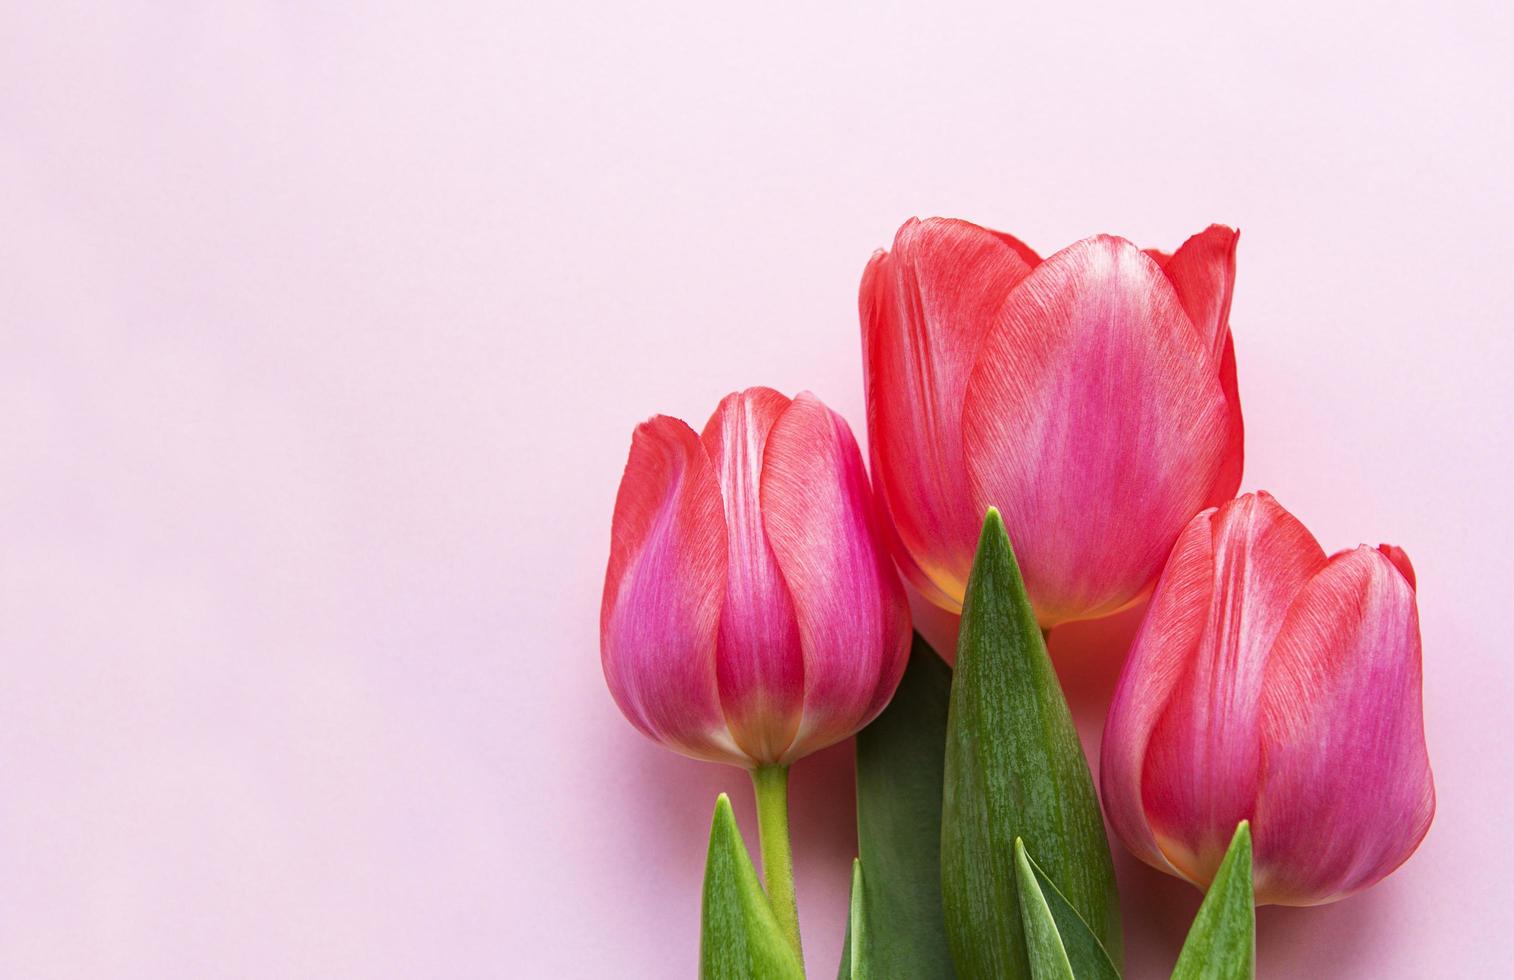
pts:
[1089, 396]
[751, 614]
[1272, 684]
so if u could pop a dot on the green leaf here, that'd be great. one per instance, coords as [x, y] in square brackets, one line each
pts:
[1014, 768]
[1043, 945]
[845, 972]
[1221, 944]
[900, 761]
[739, 935]
[855, 960]
[1084, 951]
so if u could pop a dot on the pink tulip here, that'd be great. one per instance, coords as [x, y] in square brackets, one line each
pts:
[1271, 684]
[750, 614]
[1090, 396]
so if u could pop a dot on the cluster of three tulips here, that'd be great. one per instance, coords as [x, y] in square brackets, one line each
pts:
[752, 613]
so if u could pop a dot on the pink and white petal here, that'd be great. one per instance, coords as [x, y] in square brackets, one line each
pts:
[1157, 662]
[663, 592]
[925, 307]
[1203, 763]
[1202, 272]
[1228, 480]
[1347, 794]
[877, 300]
[1096, 424]
[1027, 254]
[912, 571]
[852, 612]
[759, 662]
[1400, 560]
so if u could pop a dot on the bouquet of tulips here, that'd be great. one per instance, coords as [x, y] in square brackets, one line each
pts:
[1051, 440]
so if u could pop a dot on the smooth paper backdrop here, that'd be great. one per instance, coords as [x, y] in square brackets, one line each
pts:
[323, 330]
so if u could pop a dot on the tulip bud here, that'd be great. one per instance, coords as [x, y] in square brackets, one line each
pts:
[1271, 684]
[1090, 397]
[750, 615]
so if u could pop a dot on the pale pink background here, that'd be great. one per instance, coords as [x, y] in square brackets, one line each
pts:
[324, 331]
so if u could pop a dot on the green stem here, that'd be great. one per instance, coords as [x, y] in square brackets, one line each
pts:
[771, 784]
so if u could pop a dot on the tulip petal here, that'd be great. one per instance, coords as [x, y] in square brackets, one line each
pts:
[759, 663]
[1202, 273]
[663, 593]
[925, 308]
[852, 613]
[1202, 766]
[1400, 561]
[1025, 252]
[1157, 661]
[1095, 421]
[1347, 793]
[1228, 480]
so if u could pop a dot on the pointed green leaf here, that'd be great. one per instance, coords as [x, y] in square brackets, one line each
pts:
[900, 760]
[1048, 958]
[845, 972]
[739, 936]
[1014, 768]
[1084, 951]
[1221, 944]
[855, 959]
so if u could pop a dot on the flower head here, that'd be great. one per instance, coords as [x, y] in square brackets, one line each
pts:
[750, 615]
